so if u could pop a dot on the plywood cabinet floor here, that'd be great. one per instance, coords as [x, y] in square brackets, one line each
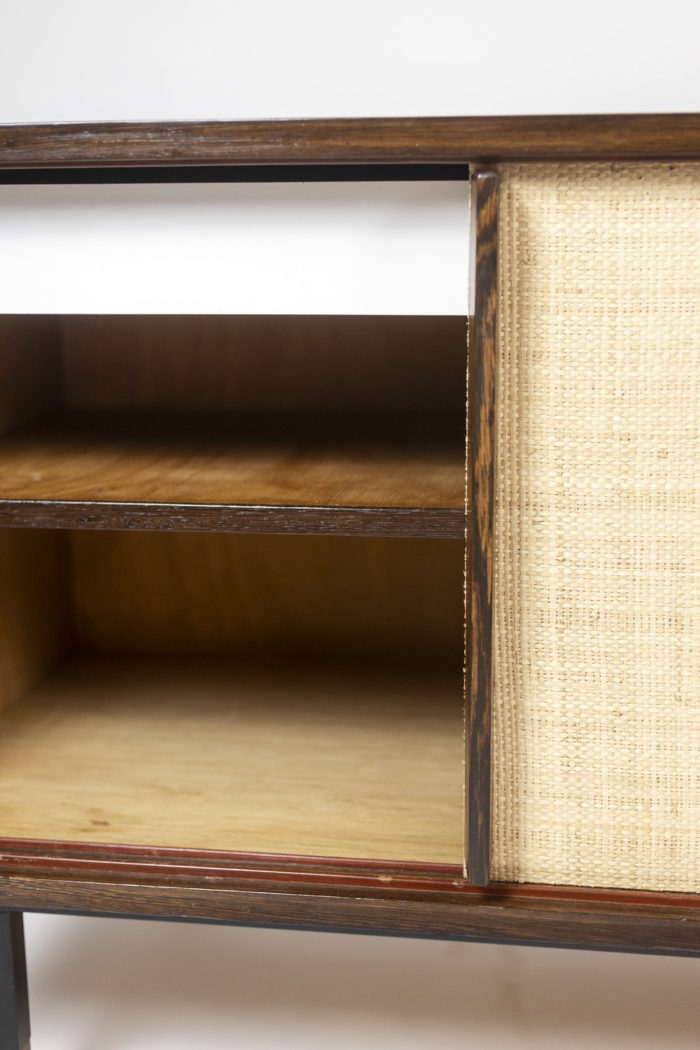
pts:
[334, 760]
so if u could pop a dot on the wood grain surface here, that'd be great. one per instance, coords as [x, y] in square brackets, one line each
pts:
[286, 380]
[357, 141]
[30, 369]
[275, 519]
[254, 460]
[481, 425]
[657, 929]
[264, 363]
[33, 609]
[14, 1000]
[263, 596]
[289, 758]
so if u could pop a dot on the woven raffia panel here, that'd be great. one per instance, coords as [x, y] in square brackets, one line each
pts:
[596, 727]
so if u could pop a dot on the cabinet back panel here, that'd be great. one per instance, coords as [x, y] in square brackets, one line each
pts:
[34, 610]
[265, 363]
[29, 368]
[596, 704]
[269, 595]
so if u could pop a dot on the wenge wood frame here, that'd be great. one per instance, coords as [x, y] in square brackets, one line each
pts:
[481, 439]
[429, 900]
[402, 140]
[14, 1001]
[271, 519]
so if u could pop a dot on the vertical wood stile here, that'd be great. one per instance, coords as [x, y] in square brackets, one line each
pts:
[14, 1003]
[480, 489]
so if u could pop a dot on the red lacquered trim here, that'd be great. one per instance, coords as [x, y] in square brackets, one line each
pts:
[156, 863]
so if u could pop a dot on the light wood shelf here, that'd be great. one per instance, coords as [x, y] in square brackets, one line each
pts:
[400, 474]
[332, 760]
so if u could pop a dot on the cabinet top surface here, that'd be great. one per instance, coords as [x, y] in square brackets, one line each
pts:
[397, 140]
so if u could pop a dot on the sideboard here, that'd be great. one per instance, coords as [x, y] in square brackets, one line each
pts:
[290, 637]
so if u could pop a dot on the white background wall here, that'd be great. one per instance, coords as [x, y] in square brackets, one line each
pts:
[320, 248]
[106, 984]
[109, 985]
[173, 59]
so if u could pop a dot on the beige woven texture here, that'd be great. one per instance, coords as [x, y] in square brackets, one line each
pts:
[596, 778]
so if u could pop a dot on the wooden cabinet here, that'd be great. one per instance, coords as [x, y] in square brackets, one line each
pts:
[239, 582]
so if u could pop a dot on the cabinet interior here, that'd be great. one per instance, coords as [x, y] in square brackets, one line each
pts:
[260, 410]
[287, 694]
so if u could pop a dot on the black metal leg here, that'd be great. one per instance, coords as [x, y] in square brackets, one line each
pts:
[14, 1002]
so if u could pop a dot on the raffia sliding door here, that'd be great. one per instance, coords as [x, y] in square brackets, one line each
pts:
[596, 706]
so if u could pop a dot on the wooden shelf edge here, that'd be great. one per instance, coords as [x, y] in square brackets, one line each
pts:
[425, 523]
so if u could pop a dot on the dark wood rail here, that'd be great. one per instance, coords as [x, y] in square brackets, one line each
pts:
[360, 141]
[481, 425]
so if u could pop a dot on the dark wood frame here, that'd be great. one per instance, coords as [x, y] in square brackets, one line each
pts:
[401, 140]
[14, 999]
[425, 523]
[429, 900]
[481, 438]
